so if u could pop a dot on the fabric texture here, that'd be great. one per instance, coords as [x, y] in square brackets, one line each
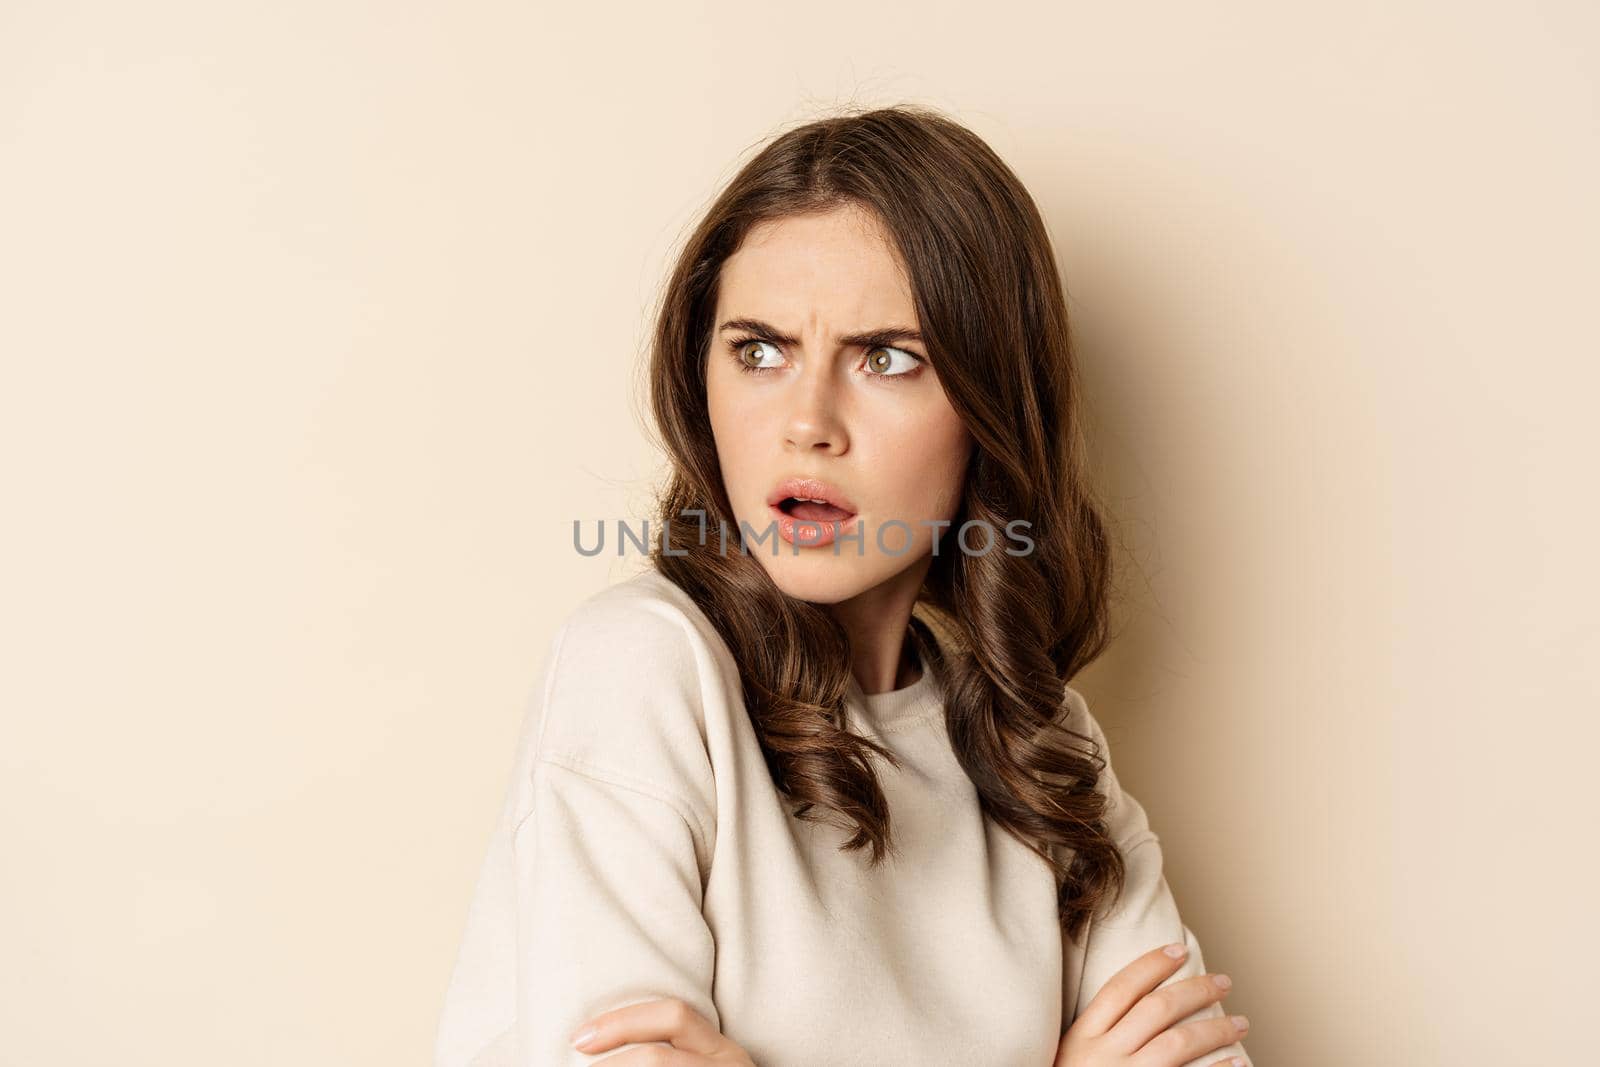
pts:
[642, 851]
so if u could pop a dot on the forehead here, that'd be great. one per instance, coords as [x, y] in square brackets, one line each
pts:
[840, 265]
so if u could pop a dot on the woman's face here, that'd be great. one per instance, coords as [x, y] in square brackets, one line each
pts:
[797, 390]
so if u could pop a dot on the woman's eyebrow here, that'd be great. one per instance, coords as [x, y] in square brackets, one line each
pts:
[885, 335]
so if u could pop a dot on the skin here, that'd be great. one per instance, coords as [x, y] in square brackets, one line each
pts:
[1131, 1022]
[896, 447]
[872, 421]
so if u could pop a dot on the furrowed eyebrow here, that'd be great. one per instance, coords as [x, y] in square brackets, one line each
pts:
[887, 335]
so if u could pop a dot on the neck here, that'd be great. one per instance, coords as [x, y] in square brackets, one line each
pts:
[877, 621]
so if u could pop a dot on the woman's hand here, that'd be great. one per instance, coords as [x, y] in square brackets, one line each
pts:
[1129, 1023]
[695, 1042]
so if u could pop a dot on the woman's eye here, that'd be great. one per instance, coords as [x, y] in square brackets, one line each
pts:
[750, 356]
[756, 356]
[888, 362]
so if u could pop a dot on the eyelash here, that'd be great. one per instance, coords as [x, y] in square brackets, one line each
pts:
[737, 344]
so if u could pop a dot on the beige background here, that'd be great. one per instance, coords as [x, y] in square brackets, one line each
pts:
[321, 324]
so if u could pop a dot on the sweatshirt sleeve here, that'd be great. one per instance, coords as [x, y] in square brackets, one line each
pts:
[590, 897]
[1145, 916]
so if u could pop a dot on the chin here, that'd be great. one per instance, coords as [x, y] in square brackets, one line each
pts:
[817, 575]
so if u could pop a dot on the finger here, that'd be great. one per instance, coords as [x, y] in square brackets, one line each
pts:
[667, 1019]
[1158, 1010]
[653, 1056]
[1180, 1044]
[1123, 989]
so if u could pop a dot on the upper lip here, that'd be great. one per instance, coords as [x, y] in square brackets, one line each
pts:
[810, 489]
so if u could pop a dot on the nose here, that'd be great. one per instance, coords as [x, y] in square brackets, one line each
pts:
[813, 423]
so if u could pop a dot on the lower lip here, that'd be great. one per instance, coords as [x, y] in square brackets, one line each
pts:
[813, 534]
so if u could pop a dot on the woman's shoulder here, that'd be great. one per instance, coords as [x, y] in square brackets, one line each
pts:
[629, 681]
[1076, 716]
[1125, 816]
[646, 604]
[646, 627]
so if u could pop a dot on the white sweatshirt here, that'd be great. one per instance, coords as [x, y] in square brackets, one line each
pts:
[643, 852]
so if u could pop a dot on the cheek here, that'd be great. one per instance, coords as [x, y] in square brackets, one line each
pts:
[731, 428]
[933, 469]
[954, 450]
[719, 405]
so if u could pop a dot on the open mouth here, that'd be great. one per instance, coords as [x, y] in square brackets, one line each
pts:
[797, 507]
[809, 511]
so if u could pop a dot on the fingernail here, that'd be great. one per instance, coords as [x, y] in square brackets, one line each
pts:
[582, 1037]
[1237, 1061]
[1222, 981]
[1177, 952]
[1240, 1023]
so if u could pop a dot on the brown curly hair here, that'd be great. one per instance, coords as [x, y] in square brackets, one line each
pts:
[1012, 629]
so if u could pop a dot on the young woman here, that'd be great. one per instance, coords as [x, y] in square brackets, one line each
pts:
[813, 790]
